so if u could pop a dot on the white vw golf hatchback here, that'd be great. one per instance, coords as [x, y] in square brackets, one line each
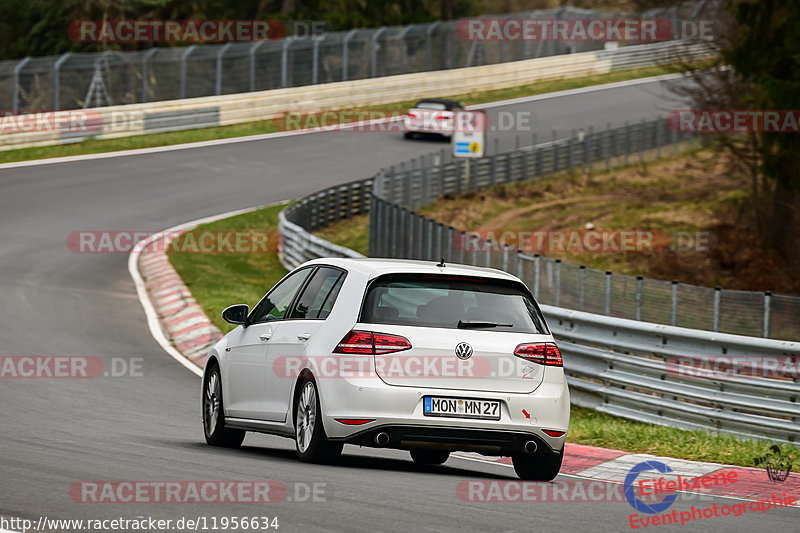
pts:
[396, 354]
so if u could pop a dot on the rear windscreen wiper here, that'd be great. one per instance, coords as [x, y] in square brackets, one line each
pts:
[466, 324]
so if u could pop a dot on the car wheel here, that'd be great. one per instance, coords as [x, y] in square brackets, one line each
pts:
[311, 442]
[214, 416]
[408, 135]
[429, 457]
[537, 466]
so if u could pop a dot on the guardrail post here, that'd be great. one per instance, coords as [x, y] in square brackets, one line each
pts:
[607, 307]
[717, 292]
[287, 42]
[639, 280]
[519, 264]
[487, 258]
[642, 144]
[505, 257]
[767, 302]
[184, 57]
[673, 320]
[440, 239]
[430, 238]
[374, 61]
[557, 289]
[15, 96]
[536, 260]
[57, 81]
[395, 231]
[607, 146]
[554, 150]
[581, 286]
[451, 233]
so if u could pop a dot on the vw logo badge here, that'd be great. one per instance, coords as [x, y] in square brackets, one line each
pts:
[463, 350]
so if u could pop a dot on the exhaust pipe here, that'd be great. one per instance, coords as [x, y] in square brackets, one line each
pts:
[530, 446]
[382, 438]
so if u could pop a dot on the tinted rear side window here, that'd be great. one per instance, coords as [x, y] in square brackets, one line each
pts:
[319, 295]
[444, 301]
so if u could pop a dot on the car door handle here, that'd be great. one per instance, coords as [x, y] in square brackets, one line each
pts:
[304, 336]
[265, 336]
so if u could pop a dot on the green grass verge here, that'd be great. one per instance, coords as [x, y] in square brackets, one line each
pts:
[267, 126]
[218, 280]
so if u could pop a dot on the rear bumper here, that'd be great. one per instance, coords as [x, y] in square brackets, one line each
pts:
[398, 411]
[489, 442]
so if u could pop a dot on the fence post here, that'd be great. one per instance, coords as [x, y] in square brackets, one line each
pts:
[627, 141]
[607, 146]
[222, 50]
[145, 63]
[505, 257]
[519, 264]
[717, 293]
[57, 80]
[252, 52]
[570, 150]
[184, 57]
[285, 61]
[554, 151]
[639, 280]
[15, 97]
[344, 53]
[374, 61]
[673, 320]
[767, 302]
[659, 125]
[607, 307]
[642, 144]
[581, 286]
[487, 258]
[536, 259]
[557, 291]
[586, 149]
[475, 246]
[429, 45]
[451, 232]
[430, 238]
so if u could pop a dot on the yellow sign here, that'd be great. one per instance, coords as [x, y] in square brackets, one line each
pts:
[474, 148]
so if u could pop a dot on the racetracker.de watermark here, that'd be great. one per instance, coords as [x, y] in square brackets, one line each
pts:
[69, 367]
[192, 492]
[193, 241]
[734, 121]
[582, 30]
[583, 241]
[175, 31]
[570, 490]
[728, 366]
[401, 366]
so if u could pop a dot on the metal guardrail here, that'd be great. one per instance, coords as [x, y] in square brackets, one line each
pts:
[82, 80]
[398, 231]
[627, 368]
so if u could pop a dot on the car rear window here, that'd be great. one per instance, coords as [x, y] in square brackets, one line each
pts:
[431, 105]
[444, 301]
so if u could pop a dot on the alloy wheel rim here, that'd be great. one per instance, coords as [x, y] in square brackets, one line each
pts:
[211, 407]
[306, 416]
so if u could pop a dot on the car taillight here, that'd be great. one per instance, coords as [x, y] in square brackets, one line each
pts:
[368, 342]
[544, 353]
[412, 114]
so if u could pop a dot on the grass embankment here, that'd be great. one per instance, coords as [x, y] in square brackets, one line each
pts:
[269, 126]
[221, 279]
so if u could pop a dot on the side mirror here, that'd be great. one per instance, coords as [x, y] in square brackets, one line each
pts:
[236, 314]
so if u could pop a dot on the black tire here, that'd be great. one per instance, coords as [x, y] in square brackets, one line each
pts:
[214, 415]
[409, 135]
[429, 457]
[538, 466]
[310, 441]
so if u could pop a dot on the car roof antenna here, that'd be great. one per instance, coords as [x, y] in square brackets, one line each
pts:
[441, 263]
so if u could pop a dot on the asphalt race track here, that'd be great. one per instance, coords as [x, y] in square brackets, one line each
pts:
[56, 432]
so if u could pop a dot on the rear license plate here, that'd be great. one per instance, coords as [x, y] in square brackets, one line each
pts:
[461, 408]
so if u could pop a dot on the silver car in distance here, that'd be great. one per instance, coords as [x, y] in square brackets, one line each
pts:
[424, 357]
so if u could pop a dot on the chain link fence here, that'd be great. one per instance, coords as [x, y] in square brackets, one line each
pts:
[76, 80]
[398, 231]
